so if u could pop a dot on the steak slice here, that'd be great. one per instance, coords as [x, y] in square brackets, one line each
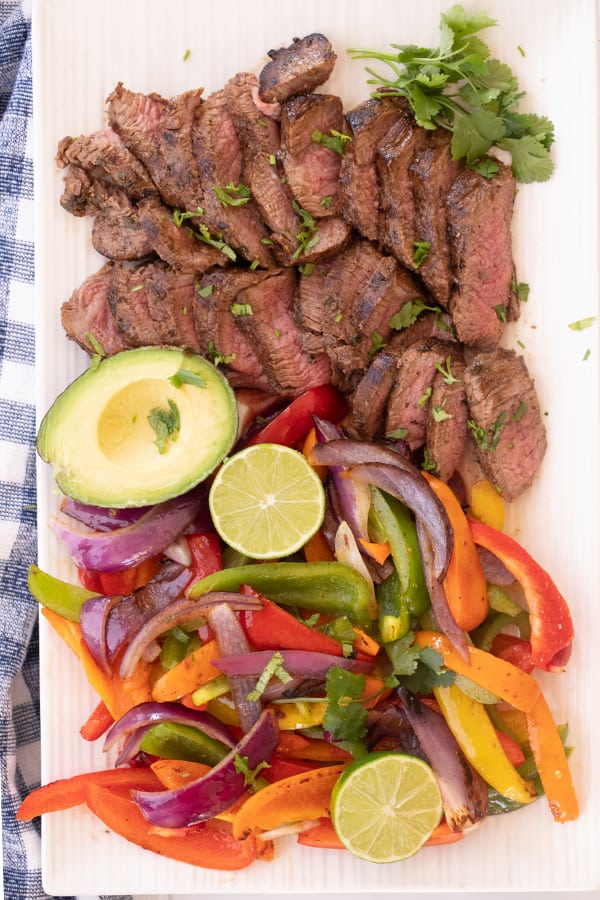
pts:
[409, 406]
[262, 173]
[479, 214]
[388, 289]
[446, 431]
[176, 244]
[87, 314]
[218, 155]
[218, 329]
[358, 193]
[433, 172]
[369, 400]
[158, 133]
[505, 420]
[395, 154]
[84, 195]
[104, 156]
[297, 69]
[268, 321]
[128, 301]
[120, 237]
[312, 169]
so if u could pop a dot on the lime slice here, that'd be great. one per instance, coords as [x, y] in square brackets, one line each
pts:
[266, 501]
[385, 806]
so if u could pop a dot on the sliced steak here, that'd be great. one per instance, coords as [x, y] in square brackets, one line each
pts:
[433, 172]
[358, 193]
[128, 301]
[297, 69]
[219, 158]
[87, 313]
[217, 325]
[326, 239]
[369, 400]
[427, 325]
[104, 157]
[268, 320]
[262, 173]
[410, 400]
[446, 432]
[120, 237]
[395, 154]
[84, 195]
[177, 244]
[170, 296]
[388, 289]
[505, 420]
[312, 168]
[158, 133]
[479, 214]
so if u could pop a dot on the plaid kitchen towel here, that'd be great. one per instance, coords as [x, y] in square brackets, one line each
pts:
[19, 662]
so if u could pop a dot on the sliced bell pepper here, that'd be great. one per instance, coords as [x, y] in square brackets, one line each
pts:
[331, 588]
[210, 845]
[464, 584]
[514, 650]
[323, 836]
[552, 629]
[194, 670]
[119, 694]
[170, 740]
[205, 549]
[280, 767]
[273, 628]
[486, 504]
[477, 738]
[443, 834]
[551, 762]
[59, 596]
[65, 793]
[295, 799]
[291, 426]
[317, 549]
[514, 754]
[97, 722]
[296, 746]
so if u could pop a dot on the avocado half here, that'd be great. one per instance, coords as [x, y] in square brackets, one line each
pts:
[139, 427]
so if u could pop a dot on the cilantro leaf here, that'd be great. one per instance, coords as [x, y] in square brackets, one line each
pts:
[251, 779]
[530, 158]
[165, 424]
[475, 134]
[345, 718]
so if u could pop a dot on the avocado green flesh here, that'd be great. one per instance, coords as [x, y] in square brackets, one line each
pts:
[103, 449]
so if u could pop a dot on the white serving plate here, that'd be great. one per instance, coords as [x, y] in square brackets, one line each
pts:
[80, 51]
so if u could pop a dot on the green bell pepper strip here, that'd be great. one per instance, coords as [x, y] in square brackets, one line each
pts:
[394, 614]
[392, 522]
[59, 596]
[170, 740]
[331, 588]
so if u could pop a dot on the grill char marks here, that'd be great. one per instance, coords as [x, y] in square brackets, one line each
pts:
[358, 192]
[87, 312]
[511, 438]
[120, 237]
[298, 69]
[218, 155]
[479, 218]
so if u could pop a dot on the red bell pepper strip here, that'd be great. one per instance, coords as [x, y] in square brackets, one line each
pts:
[513, 752]
[205, 549]
[514, 650]
[273, 628]
[210, 845]
[97, 723]
[68, 792]
[552, 629]
[122, 583]
[280, 767]
[291, 426]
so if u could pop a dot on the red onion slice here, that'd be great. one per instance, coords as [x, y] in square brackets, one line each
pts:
[92, 620]
[140, 719]
[113, 551]
[101, 518]
[178, 613]
[295, 662]
[214, 792]
[231, 640]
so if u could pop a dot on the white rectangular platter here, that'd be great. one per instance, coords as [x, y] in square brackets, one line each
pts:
[81, 50]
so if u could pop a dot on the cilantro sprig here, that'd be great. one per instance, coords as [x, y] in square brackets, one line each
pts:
[460, 87]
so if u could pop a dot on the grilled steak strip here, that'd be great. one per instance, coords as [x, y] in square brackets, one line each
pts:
[87, 313]
[297, 69]
[219, 158]
[84, 195]
[507, 424]
[120, 237]
[104, 157]
[479, 214]
[176, 244]
[446, 431]
[370, 398]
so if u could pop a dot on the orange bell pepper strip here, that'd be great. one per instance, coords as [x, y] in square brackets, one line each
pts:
[552, 629]
[522, 691]
[68, 792]
[120, 583]
[210, 846]
[322, 835]
[119, 694]
[464, 584]
[176, 773]
[443, 834]
[296, 746]
[305, 796]
[317, 549]
[97, 723]
[193, 671]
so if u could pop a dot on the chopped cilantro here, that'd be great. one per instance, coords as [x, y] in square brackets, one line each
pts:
[166, 425]
[345, 718]
[205, 291]
[582, 324]
[519, 412]
[501, 311]
[307, 237]
[217, 357]
[446, 372]
[421, 253]
[377, 344]
[425, 398]
[335, 140]
[398, 434]
[273, 669]
[232, 194]
[439, 414]
[241, 309]
[251, 780]
[184, 376]
[409, 313]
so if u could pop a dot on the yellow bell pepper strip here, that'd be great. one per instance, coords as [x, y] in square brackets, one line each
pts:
[486, 504]
[331, 588]
[119, 694]
[295, 799]
[464, 583]
[552, 630]
[469, 723]
[193, 671]
[523, 692]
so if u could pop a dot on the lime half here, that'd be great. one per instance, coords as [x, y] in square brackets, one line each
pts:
[385, 806]
[266, 501]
